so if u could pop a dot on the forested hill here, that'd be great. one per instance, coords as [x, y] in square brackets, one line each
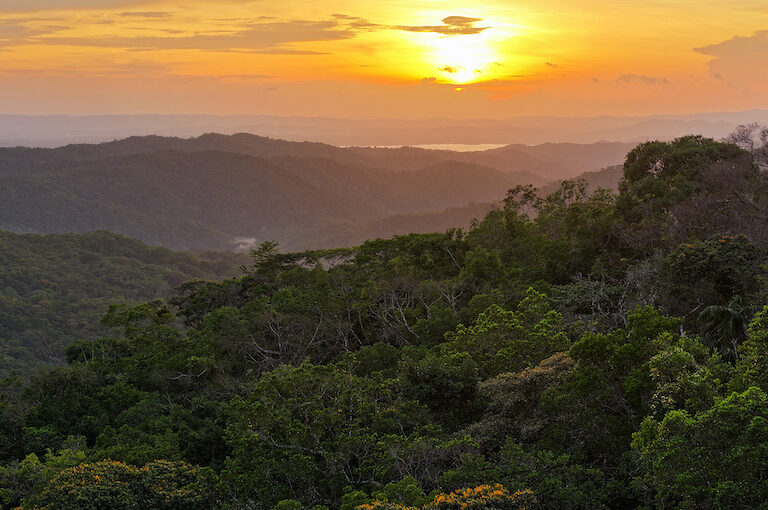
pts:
[216, 192]
[54, 289]
[549, 161]
[578, 350]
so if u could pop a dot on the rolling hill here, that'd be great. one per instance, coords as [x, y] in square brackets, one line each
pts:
[54, 289]
[214, 191]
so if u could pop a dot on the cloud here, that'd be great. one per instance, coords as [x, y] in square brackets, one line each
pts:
[356, 21]
[450, 69]
[452, 25]
[506, 83]
[271, 37]
[231, 76]
[742, 60]
[145, 14]
[105, 69]
[287, 51]
[65, 5]
[20, 29]
[10, 29]
[642, 79]
[756, 44]
[554, 66]
[461, 21]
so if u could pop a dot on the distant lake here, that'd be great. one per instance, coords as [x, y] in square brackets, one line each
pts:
[458, 147]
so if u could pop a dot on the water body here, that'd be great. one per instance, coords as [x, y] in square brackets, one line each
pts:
[457, 147]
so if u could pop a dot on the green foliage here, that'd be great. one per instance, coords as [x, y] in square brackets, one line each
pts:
[511, 403]
[22, 479]
[446, 384]
[405, 492]
[752, 367]
[54, 289]
[398, 373]
[725, 327]
[288, 504]
[592, 413]
[659, 174]
[108, 484]
[713, 271]
[308, 431]
[509, 341]
[557, 480]
[687, 376]
[711, 459]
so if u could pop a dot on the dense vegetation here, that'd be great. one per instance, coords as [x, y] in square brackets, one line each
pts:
[216, 192]
[54, 289]
[575, 351]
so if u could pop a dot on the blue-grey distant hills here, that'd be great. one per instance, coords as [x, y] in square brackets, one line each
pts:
[57, 130]
[219, 192]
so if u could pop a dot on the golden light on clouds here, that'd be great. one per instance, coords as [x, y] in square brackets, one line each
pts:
[365, 58]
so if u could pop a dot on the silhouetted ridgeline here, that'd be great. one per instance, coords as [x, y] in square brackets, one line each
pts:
[208, 192]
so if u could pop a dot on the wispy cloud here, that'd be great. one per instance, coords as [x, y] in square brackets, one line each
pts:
[452, 25]
[66, 5]
[641, 79]
[146, 14]
[13, 30]
[356, 22]
[255, 36]
[131, 68]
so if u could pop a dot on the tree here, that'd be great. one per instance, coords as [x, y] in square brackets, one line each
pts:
[752, 366]
[482, 497]
[108, 484]
[725, 327]
[307, 432]
[659, 176]
[752, 138]
[511, 401]
[446, 384]
[511, 340]
[714, 459]
[712, 272]
[592, 412]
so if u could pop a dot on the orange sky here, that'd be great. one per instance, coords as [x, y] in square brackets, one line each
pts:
[397, 58]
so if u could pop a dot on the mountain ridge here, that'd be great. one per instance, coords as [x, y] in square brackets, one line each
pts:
[204, 193]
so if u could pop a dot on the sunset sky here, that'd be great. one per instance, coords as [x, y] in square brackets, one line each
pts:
[390, 59]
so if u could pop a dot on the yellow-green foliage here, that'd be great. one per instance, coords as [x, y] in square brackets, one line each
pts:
[482, 497]
[509, 341]
[115, 485]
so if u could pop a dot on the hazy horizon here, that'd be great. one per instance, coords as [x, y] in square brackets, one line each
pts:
[57, 130]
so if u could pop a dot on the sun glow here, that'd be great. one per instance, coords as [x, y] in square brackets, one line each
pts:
[463, 59]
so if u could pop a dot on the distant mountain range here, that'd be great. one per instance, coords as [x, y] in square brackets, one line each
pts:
[57, 130]
[219, 192]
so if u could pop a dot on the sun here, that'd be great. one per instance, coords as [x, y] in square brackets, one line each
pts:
[463, 59]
